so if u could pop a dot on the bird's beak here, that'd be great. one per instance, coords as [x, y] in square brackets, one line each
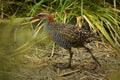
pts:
[35, 21]
[35, 17]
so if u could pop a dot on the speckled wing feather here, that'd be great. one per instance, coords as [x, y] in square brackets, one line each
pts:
[75, 35]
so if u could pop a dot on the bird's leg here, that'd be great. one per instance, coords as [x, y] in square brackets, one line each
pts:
[52, 53]
[70, 59]
[92, 55]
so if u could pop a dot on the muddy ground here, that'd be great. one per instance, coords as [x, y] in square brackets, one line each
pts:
[83, 66]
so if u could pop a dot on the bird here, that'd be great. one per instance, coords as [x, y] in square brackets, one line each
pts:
[67, 36]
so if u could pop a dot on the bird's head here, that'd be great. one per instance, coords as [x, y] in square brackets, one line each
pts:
[42, 16]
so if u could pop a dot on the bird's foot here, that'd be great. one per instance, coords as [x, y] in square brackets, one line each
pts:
[90, 66]
[94, 58]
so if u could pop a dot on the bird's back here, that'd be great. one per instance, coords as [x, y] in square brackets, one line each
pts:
[67, 35]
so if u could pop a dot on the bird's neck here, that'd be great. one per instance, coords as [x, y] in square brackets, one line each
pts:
[47, 26]
[50, 18]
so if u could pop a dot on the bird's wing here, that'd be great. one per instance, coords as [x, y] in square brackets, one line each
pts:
[73, 33]
[68, 31]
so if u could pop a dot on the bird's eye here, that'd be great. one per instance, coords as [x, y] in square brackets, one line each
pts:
[40, 15]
